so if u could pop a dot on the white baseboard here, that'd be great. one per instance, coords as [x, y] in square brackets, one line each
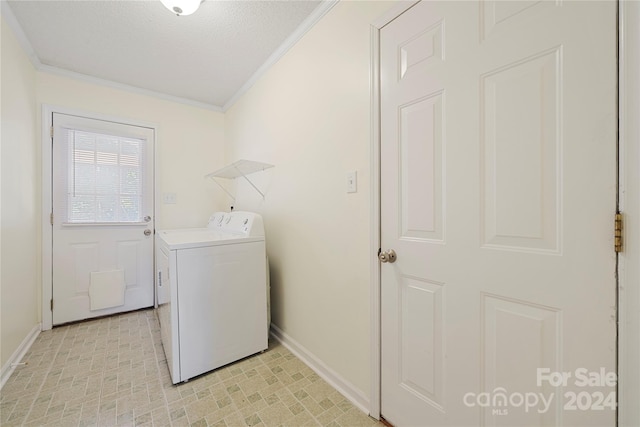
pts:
[329, 375]
[17, 355]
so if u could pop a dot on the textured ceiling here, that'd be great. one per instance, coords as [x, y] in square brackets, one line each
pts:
[206, 57]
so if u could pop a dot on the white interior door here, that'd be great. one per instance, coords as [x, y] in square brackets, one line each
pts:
[102, 217]
[498, 195]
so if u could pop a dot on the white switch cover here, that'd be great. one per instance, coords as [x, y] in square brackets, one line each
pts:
[169, 198]
[352, 182]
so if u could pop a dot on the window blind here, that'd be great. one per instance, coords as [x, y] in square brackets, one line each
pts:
[104, 177]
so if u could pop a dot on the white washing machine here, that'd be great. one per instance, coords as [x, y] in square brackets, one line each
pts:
[212, 293]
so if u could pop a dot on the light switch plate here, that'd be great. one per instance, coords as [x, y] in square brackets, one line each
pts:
[352, 182]
[169, 198]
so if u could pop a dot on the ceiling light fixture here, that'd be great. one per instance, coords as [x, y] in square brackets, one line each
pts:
[182, 7]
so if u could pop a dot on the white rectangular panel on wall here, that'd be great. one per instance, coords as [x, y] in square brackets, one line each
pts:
[521, 144]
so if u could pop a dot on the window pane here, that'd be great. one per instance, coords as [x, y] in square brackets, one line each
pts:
[84, 141]
[129, 208]
[107, 179]
[131, 147]
[85, 179]
[131, 182]
[82, 208]
[104, 178]
[106, 208]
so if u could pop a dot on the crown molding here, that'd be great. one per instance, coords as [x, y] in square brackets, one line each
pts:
[10, 19]
[306, 25]
[127, 88]
[318, 13]
[12, 22]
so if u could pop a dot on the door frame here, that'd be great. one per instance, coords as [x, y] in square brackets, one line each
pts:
[629, 204]
[47, 194]
[629, 189]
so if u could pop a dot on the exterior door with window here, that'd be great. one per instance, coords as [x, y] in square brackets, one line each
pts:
[102, 218]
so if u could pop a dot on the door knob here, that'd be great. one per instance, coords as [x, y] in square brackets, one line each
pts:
[147, 232]
[147, 218]
[388, 256]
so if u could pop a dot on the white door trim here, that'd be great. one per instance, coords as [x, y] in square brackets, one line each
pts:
[47, 208]
[629, 205]
[374, 80]
[629, 268]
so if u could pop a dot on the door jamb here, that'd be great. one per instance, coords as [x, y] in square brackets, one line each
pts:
[47, 195]
[629, 204]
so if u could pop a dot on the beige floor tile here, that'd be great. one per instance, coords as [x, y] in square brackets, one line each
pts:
[113, 372]
[355, 418]
[234, 420]
[275, 414]
[304, 419]
[199, 423]
[201, 408]
[329, 415]
[219, 415]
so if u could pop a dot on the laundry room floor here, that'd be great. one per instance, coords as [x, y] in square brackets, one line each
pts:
[112, 371]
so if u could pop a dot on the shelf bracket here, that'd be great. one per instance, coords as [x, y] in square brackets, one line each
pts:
[251, 183]
[223, 189]
[241, 168]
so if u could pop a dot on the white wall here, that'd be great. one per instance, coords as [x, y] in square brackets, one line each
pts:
[310, 117]
[20, 218]
[189, 142]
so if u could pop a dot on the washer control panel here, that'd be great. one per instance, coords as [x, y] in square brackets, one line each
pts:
[238, 222]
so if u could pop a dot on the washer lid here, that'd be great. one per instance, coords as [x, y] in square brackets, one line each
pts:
[200, 237]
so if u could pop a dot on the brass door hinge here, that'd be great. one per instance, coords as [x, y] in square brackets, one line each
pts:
[51, 304]
[51, 132]
[51, 218]
[618, 232]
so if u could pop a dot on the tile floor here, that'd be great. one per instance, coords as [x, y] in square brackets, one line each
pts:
[112, 371]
